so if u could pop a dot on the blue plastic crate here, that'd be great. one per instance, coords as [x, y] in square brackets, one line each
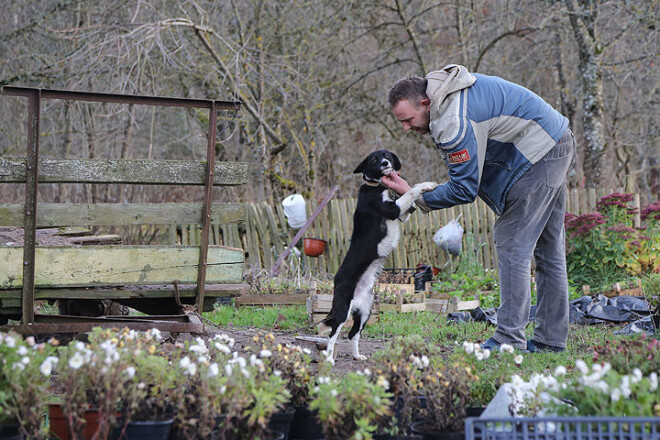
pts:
[563, 428]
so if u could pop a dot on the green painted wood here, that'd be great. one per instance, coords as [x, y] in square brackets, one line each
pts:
[110, 214]
[120, 265]
[135, 171]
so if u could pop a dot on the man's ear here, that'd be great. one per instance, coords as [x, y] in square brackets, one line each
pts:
[361, 166]
[397, 163]
[426, 103]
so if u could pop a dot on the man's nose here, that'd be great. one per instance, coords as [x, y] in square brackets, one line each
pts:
[406, 126]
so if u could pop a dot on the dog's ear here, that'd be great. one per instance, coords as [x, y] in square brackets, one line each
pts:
[362, 165]
[397, 163]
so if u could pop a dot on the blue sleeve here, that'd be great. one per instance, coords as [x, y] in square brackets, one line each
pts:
[463, 185]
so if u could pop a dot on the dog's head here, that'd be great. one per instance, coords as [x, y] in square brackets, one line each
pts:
[378, 164]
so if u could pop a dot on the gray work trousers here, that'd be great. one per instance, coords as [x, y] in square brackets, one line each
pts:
[532, 225]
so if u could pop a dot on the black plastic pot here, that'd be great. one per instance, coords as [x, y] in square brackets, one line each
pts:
[10, 432]
[281, 421]
[148, 430]
[424, 429]
[305, 425]
[397, 437]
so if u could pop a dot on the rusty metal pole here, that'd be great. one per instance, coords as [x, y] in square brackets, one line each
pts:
[206, 219]
[30, 214]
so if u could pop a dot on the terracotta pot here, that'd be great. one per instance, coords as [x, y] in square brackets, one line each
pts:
[314, 246]
[59, 425]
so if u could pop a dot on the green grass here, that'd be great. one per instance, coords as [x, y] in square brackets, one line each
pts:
[286, 318]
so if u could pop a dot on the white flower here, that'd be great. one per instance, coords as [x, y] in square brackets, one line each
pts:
[184, 362]
[22, 350]
[228, 369]
[637, 375]
[156, 334]
[10, 341]
[76, 361]
[615, 395]
[30, 341]
[18, 366]
[581, 366]
[518, 359]
[506, 348]
[307, 351]
[222, 347]
[265, 353]
[130, 371]
[560, 370]
[245, 372]
[324, 379]
[468, 347]
[214, 370]
[367, 372]
[192, 369]
[333, 392]
[383, 382]
[653, 381]
[425, 361]
[25, 360]
[277, 373]
[46, 367]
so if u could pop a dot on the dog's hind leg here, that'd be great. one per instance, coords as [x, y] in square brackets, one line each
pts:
[359, 321]
[334, 334]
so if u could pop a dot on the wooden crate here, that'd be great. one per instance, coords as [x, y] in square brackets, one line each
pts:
[444, 303]
[401, 289]
[616, 290]
[318, 306]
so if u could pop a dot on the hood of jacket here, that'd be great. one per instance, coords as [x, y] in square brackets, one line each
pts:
[444, 113]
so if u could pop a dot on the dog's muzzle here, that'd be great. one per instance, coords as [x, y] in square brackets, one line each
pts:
[386, 167]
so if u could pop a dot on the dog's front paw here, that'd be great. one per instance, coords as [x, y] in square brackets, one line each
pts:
[426, 186]
[330, 360]
[359, 357]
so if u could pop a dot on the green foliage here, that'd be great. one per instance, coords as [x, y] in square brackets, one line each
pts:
[651, 291]
[25, 373]
[625, 355]
[283, 318]
[604, 247]
[351, 408]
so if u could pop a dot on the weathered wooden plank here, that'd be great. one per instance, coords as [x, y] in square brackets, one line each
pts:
[120, 265]
[136, 171]
[272, 299]
[130, 292]
[110, 214]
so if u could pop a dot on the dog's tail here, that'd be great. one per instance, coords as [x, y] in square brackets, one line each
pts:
[325, 326]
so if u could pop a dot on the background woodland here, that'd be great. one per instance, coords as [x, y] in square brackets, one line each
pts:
[313, 76]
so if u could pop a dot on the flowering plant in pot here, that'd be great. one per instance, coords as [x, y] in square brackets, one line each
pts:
[353, 407]
[598, 390]
[90, 378]
[292, 364]
[624, 355]
[446, 390]
[25, 373]
[204, 396]
[150, 384]
[400, 363]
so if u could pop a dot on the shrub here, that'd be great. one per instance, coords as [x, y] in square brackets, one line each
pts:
[605, 247]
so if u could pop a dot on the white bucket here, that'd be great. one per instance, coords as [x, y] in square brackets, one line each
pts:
[294, 209]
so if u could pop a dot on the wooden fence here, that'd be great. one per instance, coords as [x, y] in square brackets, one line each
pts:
[265, 234]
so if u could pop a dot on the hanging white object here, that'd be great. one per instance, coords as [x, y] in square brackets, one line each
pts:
[450, 237]
[294, 209]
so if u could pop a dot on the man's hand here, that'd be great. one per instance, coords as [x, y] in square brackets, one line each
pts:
[394, 182]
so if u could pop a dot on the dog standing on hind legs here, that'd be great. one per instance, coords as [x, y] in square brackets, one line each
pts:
[375, 234]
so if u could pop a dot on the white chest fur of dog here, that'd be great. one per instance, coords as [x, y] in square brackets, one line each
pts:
[376, 232]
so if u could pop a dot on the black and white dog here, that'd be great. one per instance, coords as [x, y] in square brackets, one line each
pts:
[375, 234]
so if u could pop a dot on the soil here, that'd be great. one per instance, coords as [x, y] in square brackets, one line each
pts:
[44, 237]
[344, 361]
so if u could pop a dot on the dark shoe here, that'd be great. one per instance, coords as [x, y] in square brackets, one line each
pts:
[539, 347]
[491, 344]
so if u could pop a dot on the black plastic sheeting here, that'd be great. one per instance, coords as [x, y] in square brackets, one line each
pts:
[587, 310]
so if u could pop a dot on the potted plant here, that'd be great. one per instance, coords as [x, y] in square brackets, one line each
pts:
[446, 390]
[292, 364]
[204, 395]
[150, 391]
[400, 363]
[25, 373]
[353, 407]
[90, 377]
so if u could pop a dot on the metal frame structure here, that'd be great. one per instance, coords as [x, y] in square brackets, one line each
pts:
[35, 96]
